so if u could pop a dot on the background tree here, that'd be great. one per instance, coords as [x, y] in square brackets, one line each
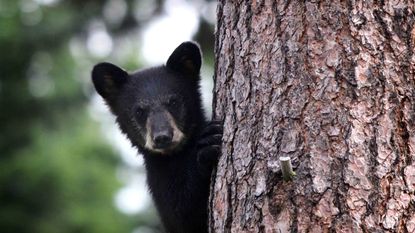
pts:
[330, 84]
[56, 174]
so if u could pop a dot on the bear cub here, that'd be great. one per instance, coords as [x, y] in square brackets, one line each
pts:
[160, 111]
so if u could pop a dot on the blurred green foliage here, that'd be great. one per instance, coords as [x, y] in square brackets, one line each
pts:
[57, 173]
[62, 182]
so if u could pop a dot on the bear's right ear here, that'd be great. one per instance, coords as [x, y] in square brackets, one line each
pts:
[186, 59]
[108, 79]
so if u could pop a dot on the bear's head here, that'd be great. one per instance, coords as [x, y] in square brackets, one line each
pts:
[159, 108]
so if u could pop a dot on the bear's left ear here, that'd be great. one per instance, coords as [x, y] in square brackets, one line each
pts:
[186, 59]
[108, 79]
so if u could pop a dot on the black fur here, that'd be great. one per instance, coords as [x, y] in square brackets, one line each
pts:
[178, 177]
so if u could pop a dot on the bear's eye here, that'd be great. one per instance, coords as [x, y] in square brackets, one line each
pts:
[140, 112]
[173, 102]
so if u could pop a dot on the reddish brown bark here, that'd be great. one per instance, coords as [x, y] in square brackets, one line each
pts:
[330, 84]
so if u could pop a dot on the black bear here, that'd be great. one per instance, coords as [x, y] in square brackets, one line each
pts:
[160, 111]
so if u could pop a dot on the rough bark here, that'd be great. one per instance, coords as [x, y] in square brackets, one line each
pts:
[331, 85]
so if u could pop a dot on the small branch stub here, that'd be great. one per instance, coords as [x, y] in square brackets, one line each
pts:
[286, 168]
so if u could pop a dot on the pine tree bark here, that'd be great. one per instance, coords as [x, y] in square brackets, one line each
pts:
[331, 85]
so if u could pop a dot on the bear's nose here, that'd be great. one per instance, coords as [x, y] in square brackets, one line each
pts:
[162, 139]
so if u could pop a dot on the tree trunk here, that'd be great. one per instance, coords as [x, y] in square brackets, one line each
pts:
[331, 85]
